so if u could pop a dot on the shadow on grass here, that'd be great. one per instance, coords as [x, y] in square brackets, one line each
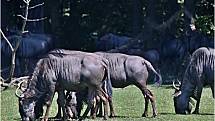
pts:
[130, 117]
[189, 114]
[119, 117]
[204, 114]
[167, 114]
[17, 119]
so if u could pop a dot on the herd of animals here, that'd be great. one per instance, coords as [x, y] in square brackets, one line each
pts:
[90, 77]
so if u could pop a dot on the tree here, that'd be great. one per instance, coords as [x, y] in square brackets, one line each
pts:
[23, 30]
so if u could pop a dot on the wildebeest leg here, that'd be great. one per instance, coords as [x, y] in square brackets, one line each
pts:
[148, 96]
[112, 112]
[99, 108]
[61, 101]
[95, 108]
[104, 97]
[199, 93]
[50, 96]
[145, 114]
[90, 102]
[212, 89]
[151, 97]
[152, 100]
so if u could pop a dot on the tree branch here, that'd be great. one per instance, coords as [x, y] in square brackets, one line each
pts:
[11, 47]
[22, 17]
[36, 6]
[32, 20]
[39, 19]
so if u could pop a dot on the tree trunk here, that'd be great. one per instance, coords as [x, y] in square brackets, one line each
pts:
[136, 25]
[149, 22]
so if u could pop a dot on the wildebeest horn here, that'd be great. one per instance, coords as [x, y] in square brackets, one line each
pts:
[192, 101]
[20, 78]
[174, 86]
[178, 82]
[20, 87]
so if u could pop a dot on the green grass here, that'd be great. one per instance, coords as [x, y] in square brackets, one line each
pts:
[129, 105]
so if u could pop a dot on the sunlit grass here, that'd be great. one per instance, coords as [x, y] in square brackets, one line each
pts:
[129, 105]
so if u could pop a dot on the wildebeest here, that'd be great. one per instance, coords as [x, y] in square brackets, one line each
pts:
[80, 54]
[173, 49]
[199, 72]
[152, 56]
[111, 41]
[128, 70]
[63, 72]
[31, 46]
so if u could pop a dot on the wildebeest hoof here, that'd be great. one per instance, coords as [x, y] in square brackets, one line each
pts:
[155, 114]
[45, 119]
[57, 117]
[195, 112]
[112, 115]
[81, 118]
[144, 115]
[105, 117]
[93, 116]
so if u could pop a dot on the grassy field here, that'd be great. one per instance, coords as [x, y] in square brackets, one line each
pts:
[129, 105]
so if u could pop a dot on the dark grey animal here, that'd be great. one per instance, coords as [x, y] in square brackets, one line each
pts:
[173, 49]
[199, 72]
[152, 56]
[63, 72]
[128, 70]
[60, 52]
[111, 41]
[31, 46]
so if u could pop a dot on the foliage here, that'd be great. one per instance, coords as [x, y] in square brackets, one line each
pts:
[129, 105]
[74, 22]
[205, 17]
[205, 25]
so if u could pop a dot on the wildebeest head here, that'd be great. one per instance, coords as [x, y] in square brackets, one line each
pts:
[182, 102]
[26, 109]
[29, 107]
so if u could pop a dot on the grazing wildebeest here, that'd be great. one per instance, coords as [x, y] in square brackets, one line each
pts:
[128, 70]
[63, 72]
[199, 72]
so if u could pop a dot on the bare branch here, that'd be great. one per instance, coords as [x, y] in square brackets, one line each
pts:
[40, 19]
[11, 47]
[32, 20]
[25, 1]
[22, 17]
[36, 6]
[19, 79]
[25, 18]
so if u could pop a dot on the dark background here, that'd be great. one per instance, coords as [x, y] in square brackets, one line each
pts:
[79, 24]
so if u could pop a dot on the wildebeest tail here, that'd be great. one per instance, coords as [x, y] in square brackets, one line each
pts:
[158, 76]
